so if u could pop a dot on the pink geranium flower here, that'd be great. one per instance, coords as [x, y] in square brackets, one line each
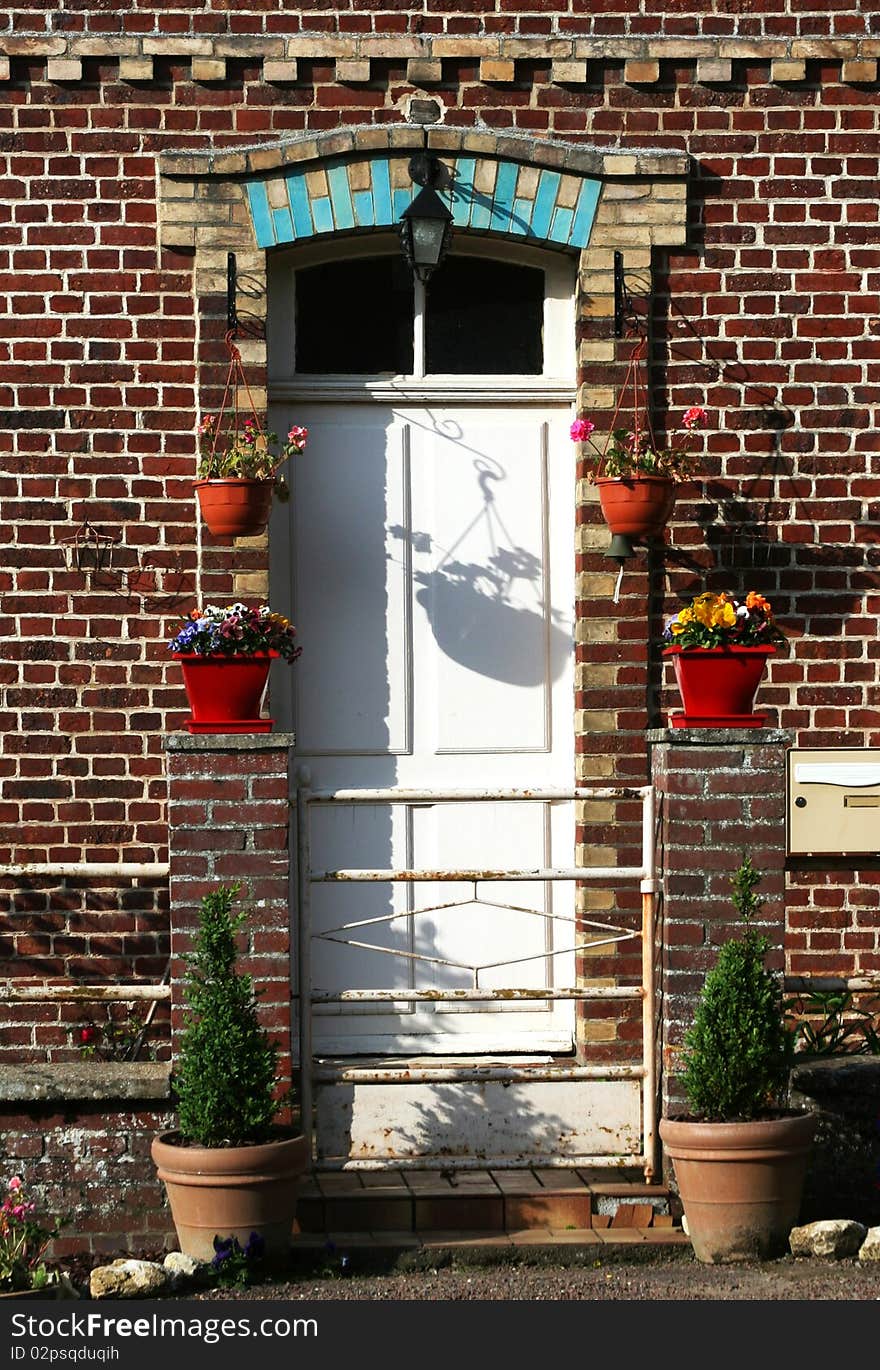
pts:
[581, 430]
[633, 451]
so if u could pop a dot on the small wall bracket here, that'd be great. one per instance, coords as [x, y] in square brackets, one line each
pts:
[623, 308]
[231, 293]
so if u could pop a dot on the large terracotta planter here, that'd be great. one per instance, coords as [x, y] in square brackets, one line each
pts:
[740, 1183]
[636, 506]
[234, 507]
[225, 693]
[231, 1191]
[718, 685]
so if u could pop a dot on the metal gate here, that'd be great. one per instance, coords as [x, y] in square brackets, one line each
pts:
[326, 1072]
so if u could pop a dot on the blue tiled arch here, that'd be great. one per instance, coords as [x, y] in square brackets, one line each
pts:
[513, 198]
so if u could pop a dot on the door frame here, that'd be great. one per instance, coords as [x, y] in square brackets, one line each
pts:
[556, 390]
[283, 386]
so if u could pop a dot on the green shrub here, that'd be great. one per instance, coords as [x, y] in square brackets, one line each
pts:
[226, 1072]
[737, 1052]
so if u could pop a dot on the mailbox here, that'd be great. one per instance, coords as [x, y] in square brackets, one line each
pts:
[834, 801]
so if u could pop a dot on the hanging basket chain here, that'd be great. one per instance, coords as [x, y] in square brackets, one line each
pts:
[631, 379]
[235, 380]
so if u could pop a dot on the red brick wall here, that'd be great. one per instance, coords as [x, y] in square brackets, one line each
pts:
[90, 1164]
[720, 793]
[769, 317]
[230, 824]
[780, 18]
[80, 931]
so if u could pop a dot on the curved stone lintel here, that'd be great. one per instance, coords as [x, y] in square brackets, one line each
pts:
[577, 158]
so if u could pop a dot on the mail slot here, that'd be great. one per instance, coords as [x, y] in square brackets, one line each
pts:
[834, 801]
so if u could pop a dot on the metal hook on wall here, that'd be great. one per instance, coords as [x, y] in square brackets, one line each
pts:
[92, 549]
[245, 324]
[627, 319]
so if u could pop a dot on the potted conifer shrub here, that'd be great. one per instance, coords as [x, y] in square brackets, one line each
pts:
[229, 1170]
[740, 1159]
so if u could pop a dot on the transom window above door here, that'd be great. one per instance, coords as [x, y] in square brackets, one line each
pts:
[478, 317]
[362, 319]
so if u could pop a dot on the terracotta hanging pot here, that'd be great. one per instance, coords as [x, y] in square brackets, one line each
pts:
[636, 506]
[233, 507]
[231, 1191]
[740, 1183]
[718, 685]
[225, 693]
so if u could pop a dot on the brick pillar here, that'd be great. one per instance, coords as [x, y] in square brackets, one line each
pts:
[229, 820]
[720, 793]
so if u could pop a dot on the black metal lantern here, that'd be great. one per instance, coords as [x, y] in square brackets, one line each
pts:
[426, 225]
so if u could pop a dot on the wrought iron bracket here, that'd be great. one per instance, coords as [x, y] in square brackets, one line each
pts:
[623, 309]
[231, 293]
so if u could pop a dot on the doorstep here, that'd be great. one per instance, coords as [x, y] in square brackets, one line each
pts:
[413, 1209]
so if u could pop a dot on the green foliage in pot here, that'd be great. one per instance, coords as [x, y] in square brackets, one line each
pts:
[737, 1052]
[227, 1068]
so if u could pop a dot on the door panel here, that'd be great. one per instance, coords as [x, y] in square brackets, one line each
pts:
[352, 591]
[432, 590]
[481, 579]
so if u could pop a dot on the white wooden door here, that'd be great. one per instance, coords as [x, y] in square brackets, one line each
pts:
[431, 581]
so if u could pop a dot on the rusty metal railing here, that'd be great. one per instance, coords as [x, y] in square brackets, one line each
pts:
[308, 997]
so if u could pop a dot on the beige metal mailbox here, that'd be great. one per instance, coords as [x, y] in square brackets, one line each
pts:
[834, 801]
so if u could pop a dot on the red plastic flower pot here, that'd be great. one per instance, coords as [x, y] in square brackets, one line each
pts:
[225, 692]
[234, 507]
[636, 506]
[718, 685]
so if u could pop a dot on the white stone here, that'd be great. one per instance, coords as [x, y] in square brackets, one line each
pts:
[183, 1271]
[127, 1279]
[870, 1247]
[176, 1263]
[835, 1237]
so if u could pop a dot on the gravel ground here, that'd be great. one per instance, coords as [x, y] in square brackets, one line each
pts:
[655, 1276]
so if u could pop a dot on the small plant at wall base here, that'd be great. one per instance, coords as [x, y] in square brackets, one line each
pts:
[23, 1242]
[230, 1171]
[831, 1023]
[740, 1158]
